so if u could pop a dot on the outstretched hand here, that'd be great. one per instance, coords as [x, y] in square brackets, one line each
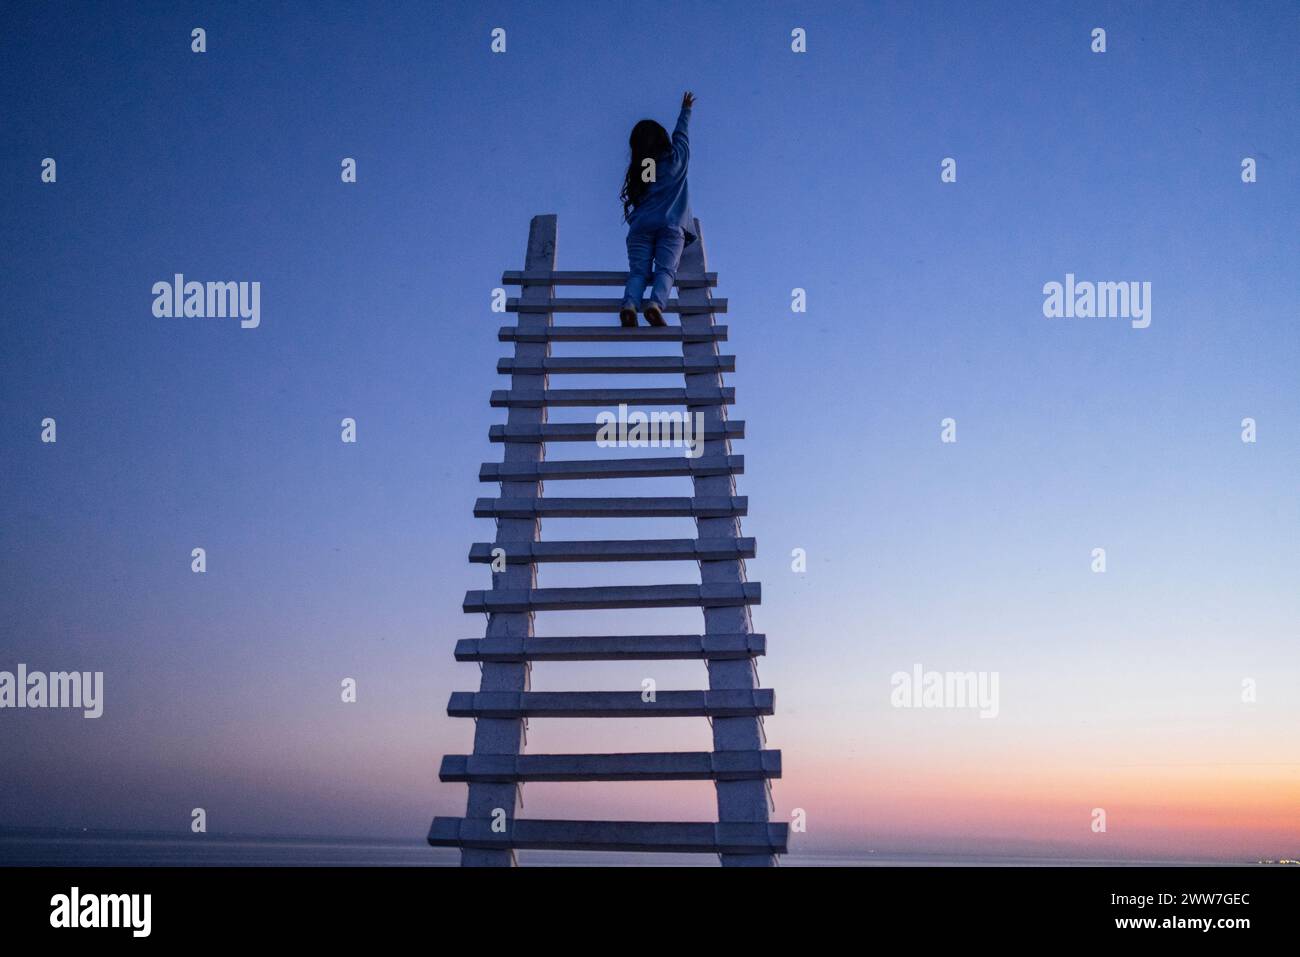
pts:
[688, 100]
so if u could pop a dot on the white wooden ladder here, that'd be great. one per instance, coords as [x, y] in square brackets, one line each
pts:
[739, 766]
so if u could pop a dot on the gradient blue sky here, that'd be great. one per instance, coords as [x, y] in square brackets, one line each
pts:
[818, 171]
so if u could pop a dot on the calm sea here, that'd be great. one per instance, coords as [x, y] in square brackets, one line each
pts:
[105, 849]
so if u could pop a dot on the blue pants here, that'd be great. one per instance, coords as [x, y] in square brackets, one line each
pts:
[661, 245]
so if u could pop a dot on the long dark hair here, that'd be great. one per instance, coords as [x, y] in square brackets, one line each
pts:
[649, 140]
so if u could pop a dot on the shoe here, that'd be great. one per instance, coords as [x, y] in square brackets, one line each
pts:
[654, 315]
[627, 316]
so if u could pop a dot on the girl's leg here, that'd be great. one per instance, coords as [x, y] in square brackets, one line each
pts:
[640, 252]
[669, 243]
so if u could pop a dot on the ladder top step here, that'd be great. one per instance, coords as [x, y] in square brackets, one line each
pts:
[610, 365]
[708, 595]
[612, 648]
[733, 703]
[702, 507]
[649, 766]
[594, 277]
[527, 834]
[612, 334]
[608, 305]
[536, 398]
[656, 467]
[632, 550]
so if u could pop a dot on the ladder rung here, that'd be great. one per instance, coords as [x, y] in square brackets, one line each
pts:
[602, 597]
[612, 334]
[722, 838]
[703, 507]
[733, 703]
[593, 277]
[676, 429]
[616, 365]
[649, 766]
[635, 550]
[536, 398]
[659, 467]
[612, 648]
[608, 305]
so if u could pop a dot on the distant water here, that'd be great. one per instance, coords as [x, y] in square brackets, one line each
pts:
[109, 849]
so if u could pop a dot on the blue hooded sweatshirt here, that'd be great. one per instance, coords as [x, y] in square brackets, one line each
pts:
[666, 202]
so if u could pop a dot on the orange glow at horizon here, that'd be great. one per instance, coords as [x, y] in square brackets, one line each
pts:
[1228, 810]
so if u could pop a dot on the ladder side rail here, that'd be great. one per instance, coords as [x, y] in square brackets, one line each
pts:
[506, 735]
[738, 801]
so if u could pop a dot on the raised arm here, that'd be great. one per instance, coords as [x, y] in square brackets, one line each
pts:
[681, 138]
